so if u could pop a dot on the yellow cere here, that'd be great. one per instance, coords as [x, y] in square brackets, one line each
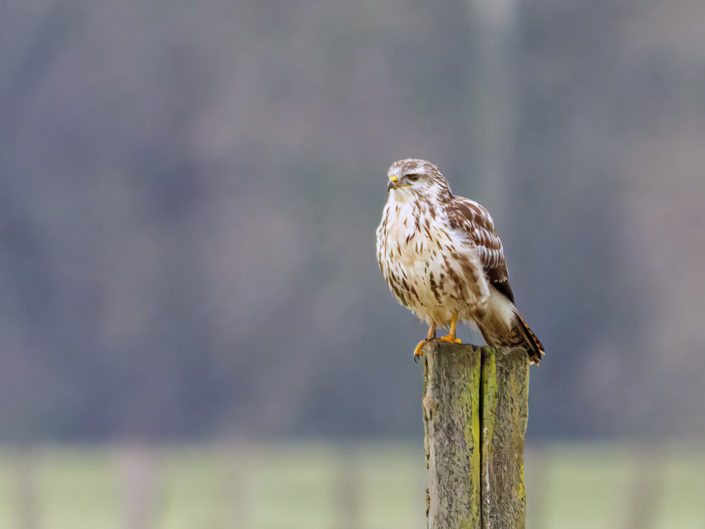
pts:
[393, 178]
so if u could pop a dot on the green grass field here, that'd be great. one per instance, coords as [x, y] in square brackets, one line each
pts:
[325, 486]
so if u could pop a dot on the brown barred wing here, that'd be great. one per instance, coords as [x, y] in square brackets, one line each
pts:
[476, 222]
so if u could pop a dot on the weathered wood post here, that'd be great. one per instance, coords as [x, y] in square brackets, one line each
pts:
[475, 411]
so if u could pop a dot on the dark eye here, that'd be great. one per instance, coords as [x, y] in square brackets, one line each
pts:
[412, 177]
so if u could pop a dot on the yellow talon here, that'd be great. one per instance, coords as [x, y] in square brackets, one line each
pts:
[418, 349]
[450, 337]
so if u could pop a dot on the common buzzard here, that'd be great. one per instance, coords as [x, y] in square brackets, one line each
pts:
[443, 260]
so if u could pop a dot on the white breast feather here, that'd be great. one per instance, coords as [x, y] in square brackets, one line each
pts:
[432, 269]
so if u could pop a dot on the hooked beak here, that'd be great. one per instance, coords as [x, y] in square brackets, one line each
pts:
[393, 182]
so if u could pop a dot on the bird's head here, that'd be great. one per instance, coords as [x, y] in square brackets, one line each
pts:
[414, 178]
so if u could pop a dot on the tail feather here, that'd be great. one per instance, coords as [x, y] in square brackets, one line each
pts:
[531, 342]
[503, 326]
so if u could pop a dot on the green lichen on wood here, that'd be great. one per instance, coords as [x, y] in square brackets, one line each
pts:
[504, 416]
[488, 397]
[451, 406]
[475, 409]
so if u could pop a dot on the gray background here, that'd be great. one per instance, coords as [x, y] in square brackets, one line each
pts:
[189, 192]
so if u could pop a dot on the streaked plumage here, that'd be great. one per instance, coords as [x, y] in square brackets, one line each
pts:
[443, 260]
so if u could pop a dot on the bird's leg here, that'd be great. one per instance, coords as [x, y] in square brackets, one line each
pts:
[450, 337]
[430, 336]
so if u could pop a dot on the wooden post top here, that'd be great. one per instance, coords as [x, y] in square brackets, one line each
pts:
[475, 411]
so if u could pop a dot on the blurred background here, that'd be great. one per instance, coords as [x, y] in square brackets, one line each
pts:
[194, 330]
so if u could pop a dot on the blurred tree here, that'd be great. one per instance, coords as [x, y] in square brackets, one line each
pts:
[183, 188]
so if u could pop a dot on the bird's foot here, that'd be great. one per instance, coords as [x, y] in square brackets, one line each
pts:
[418, 350]
[449, 338]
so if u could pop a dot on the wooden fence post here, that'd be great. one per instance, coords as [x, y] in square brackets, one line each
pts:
[475, 410]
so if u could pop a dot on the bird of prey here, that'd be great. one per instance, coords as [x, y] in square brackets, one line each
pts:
[443, 260]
